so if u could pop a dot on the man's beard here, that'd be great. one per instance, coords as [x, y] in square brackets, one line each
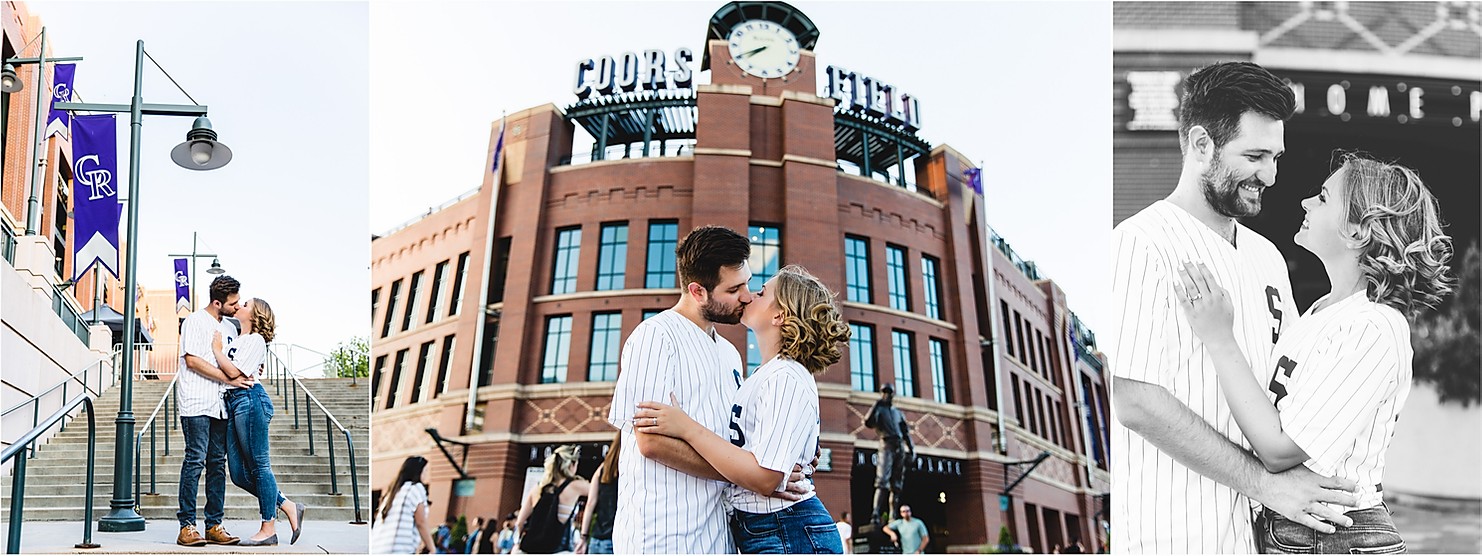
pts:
[1222, 191]
[718, 313]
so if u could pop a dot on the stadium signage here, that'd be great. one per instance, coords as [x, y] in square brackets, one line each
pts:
[862, 93]
[1153, 99]
[651, 70]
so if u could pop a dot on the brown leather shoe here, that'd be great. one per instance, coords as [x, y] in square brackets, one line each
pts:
[218, 535]
[190, 537]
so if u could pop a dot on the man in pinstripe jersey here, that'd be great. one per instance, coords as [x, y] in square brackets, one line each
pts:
[670, 500]
[1181, 470]
[203, 415]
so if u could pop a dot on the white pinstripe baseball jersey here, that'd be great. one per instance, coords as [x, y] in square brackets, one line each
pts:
[1339, 377]
[247, 353]
[775, 417]
[1158, 505]
[660, 509]
[198, 395]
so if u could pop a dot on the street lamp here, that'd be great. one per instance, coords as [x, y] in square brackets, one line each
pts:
[10, 83]
[122, 517]
[193, 255]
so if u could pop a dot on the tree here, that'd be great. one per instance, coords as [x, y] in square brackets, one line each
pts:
[1447, 350]
[349, 359]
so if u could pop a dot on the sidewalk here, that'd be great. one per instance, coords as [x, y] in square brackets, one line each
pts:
[158, 537]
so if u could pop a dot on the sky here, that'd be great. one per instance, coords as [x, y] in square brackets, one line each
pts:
[997, 81]
[287, 84]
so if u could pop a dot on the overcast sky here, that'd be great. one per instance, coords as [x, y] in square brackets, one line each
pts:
[287, 87]
[997, 81]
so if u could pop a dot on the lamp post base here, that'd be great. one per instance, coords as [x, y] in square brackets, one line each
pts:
[121, 520]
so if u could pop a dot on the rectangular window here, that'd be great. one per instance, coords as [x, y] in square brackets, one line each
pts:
[557, 349]
[1018, 402]
[931, 284]
[607, 344]
[663, 238]
[939, 390]
[862, 357]
[612, 256]
[376, 377]
[445, 363]
[1044, 356]
[649, 313]
[435, 299]
[1024, 354]
[395, 386]
[461, 276]
[857, 269]
[375, 304]
[1007, 337]
[568, 250]
[895, 273]
[421, 375]
[391, 308]
[903, 348]
[766, 254]
[413, 293]
[500, 270]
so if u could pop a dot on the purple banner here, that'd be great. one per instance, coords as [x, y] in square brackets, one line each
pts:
[498, 149]
[56, 120]
[182, 285]
[94, 193]
[974, 179]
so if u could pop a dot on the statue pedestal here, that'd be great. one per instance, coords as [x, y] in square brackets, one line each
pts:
[876, 541]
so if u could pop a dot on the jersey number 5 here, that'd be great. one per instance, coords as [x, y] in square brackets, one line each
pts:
[738, 438]
[1272, 298]
[1279, 378]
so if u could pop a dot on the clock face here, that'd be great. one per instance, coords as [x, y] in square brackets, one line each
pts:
[764, 49]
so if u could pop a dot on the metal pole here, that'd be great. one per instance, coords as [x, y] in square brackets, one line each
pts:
[334, 483]
[195, 287]
[17, 508]
[153, 488]
[354, 480]
[311, 427]
[97, 292]
[87, 508]
[121, 516]
[38, 157]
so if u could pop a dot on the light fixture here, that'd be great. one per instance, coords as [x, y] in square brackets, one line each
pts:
[9, 83]
[215, 267]
[201, 151]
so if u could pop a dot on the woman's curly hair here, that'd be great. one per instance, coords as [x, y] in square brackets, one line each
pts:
[1396, 223]
[263, 321]
[812, 327]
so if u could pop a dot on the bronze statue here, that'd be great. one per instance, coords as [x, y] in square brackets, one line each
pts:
[890, 469]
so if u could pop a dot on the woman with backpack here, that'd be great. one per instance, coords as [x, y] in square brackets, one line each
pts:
[402, 521]
[602, 499]
[544, 523]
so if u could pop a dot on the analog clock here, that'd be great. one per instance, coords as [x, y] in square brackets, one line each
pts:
[764, 49]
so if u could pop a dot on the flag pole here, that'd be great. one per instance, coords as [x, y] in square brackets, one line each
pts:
[474, 366]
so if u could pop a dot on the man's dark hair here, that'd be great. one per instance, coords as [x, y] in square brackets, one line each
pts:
[223, 287]
[1216, 96]
[701, 254]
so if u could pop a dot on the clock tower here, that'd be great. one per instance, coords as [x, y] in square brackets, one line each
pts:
[765, 45]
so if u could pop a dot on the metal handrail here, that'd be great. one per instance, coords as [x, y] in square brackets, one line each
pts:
[36, 409]
[153, 448]
[18, 474]
[276, 370]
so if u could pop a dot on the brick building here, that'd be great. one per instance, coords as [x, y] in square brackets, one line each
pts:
[582, 251]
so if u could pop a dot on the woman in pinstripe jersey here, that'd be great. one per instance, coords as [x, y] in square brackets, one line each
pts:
[1342, 372]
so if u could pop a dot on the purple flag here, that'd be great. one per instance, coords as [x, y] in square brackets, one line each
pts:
[56, 120]
[94, 195]
[182, 285]
[498, 148]
[974, 179]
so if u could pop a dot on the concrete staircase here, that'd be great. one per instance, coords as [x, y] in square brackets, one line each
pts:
[55, 479]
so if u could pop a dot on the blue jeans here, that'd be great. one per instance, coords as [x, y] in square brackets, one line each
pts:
[1372, 532]
[802, 528]
[599, 546]
[247, 447]
[205, 448]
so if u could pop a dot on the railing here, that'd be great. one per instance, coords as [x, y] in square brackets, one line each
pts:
[18, 474]
[276, 372]
[69, 315]
[8, 248]
[35, 401]
[149, 426]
